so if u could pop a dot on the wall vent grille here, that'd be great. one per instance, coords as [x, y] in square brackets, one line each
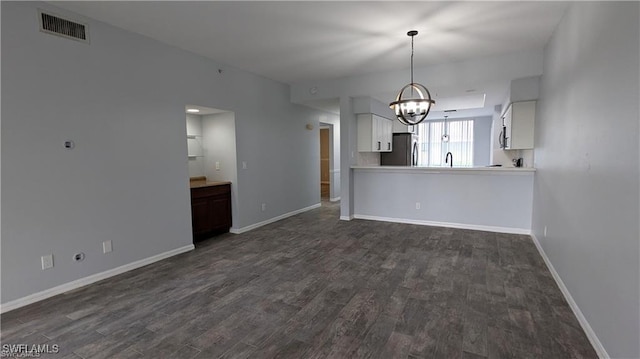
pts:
[56, 25]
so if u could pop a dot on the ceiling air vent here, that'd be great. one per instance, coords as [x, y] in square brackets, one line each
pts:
[56, 25]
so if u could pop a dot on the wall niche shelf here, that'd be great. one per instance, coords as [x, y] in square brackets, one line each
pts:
[194, 146]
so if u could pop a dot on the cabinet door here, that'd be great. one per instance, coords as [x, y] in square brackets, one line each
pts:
[366, 133]
[522, 125]
[220, 212]
[378, 133]
[389, 135]
[383, 134]
[210, 211]
[200, 215]
[375, 133]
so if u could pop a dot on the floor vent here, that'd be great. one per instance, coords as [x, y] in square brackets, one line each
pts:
[56, 25]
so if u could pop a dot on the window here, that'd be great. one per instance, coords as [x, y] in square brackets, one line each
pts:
[431, 149]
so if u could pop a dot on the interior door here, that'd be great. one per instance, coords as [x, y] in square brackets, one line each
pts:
[324, 163]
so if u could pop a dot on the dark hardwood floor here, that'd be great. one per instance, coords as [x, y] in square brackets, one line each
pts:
[312, 286]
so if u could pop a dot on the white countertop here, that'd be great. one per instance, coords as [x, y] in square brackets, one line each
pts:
[450, 170]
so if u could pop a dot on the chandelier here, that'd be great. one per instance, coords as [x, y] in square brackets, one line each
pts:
[412, 107]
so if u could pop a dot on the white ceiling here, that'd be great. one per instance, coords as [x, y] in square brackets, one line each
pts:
[296, 41]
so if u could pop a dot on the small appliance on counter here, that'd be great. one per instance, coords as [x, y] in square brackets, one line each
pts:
[405, 151]
[518, 162]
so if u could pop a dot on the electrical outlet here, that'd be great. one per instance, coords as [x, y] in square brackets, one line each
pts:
[106, 246]
[417, 205]
[264, 207]
[244, 165]
[545, 231]
[47, 261]
[217, 166]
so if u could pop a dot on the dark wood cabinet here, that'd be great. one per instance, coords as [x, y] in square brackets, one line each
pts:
[210, 210]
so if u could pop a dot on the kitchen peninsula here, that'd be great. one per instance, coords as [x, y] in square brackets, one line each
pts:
[495, 199]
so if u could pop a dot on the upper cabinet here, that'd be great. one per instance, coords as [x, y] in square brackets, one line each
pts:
[518, 126]
[375, 133]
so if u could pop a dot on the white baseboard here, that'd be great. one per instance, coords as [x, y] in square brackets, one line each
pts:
[593, 338]
[476, 227]
[334, 199]
[274, 219]
[48, 293]
[346, 218]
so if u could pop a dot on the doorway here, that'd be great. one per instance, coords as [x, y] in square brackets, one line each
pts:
[325, 180]
[212, 169]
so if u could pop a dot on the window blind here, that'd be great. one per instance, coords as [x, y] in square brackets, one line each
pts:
[432, 150]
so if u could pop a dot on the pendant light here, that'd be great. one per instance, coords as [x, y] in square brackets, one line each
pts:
[413, 109]
[445, 136]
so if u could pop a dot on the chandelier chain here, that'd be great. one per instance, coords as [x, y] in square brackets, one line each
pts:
[412, 64]
[411, 58]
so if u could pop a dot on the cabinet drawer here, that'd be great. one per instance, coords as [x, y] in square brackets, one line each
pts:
[210, 191]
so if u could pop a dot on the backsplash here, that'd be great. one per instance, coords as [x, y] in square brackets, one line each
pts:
[368, 159]
[505, 157]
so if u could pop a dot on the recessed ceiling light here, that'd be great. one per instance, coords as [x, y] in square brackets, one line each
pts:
[193, 110]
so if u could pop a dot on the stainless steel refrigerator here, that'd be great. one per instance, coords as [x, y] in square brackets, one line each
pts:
[405, 151]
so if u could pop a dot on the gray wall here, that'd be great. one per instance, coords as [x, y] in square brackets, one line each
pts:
[121, 98]
[494, 200]
[481, 140]
[586, 188]
[348, 149]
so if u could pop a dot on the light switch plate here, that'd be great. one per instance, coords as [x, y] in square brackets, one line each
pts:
[106, 246]
[47, 261]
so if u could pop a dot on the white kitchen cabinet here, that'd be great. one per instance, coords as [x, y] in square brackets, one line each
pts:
[387, 134]
[518, 126]
[375, 133]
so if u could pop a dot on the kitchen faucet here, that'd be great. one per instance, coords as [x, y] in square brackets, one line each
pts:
[446, 159]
